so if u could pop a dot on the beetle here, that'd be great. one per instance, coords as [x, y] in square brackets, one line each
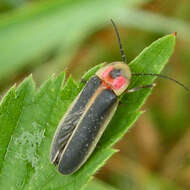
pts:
[88, 116]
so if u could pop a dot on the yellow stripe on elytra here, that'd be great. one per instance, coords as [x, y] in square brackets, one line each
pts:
[90, 102]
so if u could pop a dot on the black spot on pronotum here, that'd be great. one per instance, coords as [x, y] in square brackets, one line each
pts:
[115, 73]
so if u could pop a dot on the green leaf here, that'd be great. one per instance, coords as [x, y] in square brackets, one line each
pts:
[28, 120]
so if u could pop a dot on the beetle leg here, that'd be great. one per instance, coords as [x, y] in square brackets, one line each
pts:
[141, 87]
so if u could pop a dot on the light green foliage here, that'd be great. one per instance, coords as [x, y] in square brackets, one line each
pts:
[28, 120]
[41, 27]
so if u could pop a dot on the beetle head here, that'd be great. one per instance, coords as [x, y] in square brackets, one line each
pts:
[116, 76]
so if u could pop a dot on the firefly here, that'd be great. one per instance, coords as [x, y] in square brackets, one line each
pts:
[88, 116]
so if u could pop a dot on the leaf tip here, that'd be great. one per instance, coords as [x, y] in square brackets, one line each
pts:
[174, 34]
[30, 76]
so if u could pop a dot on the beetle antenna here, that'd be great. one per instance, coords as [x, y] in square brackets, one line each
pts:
[161, 76]
[119, 41]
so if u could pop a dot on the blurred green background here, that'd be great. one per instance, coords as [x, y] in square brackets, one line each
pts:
[46, 37]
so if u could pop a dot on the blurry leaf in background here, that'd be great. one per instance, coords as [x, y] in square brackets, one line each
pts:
[35, 29]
